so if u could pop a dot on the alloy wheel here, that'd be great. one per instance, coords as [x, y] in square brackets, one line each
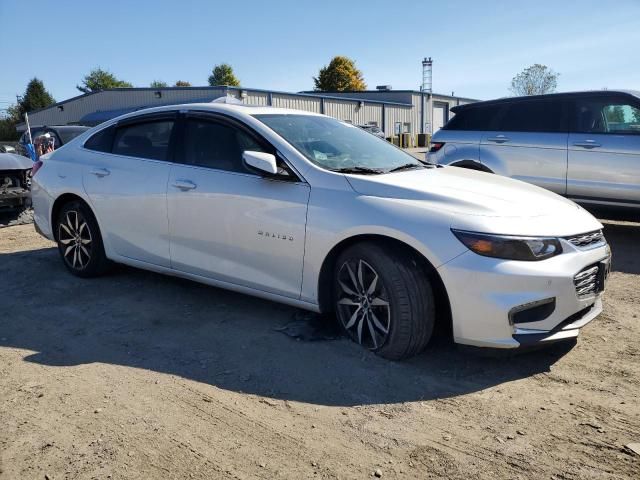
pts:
[75, 239]
[362, 304]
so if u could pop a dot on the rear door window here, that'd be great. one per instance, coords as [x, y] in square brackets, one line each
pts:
[144, 140]
[101, 141]
[535, 116]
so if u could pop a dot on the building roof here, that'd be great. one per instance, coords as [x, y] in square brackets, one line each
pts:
[435, 94]
[218, 87]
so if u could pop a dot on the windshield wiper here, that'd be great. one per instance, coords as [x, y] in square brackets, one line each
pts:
[406, 166]
[363, 170]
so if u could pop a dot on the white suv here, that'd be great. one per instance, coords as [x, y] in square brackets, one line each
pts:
[306, 210]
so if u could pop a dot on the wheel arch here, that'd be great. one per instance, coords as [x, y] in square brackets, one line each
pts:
[472, 165]
[442, 306]
[61, 201]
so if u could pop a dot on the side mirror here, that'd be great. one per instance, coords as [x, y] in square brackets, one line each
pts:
[265, 162]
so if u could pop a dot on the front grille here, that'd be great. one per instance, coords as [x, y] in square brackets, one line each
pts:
[587, 240]
[587, 281]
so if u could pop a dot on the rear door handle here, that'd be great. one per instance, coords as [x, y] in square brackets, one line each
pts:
[100, 172]
[587, 144]
[498, 139]
[184, 185]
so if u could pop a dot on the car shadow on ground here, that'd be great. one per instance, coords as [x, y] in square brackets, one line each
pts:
[139, 319]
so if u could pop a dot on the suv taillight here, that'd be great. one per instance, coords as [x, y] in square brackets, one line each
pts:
[36, 167]
[435, 146]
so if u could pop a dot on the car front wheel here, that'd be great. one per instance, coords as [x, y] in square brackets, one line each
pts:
[383, 300]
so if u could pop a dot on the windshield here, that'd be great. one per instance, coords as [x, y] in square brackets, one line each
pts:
[338, 146]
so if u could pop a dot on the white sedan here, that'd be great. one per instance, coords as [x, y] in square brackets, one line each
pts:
[306, 210]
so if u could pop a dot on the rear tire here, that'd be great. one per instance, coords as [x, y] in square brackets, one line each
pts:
[383, 300]
[79, 241]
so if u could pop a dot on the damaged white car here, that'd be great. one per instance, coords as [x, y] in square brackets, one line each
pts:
[15, 182]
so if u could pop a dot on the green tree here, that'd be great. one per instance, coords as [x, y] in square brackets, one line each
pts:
[535, 80]
[182, 83]
[223, 75]
[8, 129]
[35, 97]
[158, 84]
[340, 75]
[99, 79]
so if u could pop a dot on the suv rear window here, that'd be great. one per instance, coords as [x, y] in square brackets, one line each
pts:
[475, 118]
[534, 116]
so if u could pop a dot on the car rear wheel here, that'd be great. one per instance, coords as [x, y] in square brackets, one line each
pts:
[79, 241]
[384, 300]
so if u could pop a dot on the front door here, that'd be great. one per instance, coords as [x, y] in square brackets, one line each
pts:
[604, 150]
[228, 222]
[126, 181]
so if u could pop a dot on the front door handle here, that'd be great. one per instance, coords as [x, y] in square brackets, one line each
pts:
[100, 172]
[498, 139]
[184, 185]
[587, 144]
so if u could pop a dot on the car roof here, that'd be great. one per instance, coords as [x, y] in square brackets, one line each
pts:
[561, 95]
[229, 108]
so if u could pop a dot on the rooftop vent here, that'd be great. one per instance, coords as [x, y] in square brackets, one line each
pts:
[383, 88]
[229, 99]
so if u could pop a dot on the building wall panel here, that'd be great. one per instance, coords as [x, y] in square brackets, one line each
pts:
[309, 104]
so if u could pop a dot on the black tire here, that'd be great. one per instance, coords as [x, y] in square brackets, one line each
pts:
[79, 241]
[402, 283]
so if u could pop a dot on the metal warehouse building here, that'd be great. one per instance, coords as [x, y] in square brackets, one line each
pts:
[394, 111]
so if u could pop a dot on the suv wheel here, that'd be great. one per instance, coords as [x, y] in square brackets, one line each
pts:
[79, 241]
[383, 300]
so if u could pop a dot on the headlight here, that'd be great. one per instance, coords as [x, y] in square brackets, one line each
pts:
[510, 247]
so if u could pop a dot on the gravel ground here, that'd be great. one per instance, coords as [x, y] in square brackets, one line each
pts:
[136, 376]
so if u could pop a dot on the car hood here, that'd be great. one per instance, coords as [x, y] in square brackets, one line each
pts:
[11, 161]
[483, 201]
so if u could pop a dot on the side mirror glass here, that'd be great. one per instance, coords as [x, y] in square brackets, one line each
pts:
[265, 162]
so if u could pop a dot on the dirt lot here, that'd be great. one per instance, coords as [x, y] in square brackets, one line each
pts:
[136, 375]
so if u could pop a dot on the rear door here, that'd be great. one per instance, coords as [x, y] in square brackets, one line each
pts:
[604, 150]
[125, 177]
[530, 143]
[228, 222]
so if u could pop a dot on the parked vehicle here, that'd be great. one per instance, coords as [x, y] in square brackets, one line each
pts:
[15, 181]
[585, 146]
[303, 209]
[60, 134]
[373, 130]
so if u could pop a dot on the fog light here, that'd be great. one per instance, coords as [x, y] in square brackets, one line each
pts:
[532, 312]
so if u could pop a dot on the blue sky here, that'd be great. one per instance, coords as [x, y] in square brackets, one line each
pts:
[477, 46]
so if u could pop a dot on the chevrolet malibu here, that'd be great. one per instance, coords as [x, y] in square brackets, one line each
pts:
[309, 211]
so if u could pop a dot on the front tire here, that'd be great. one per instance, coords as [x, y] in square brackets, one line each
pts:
[79, 241]
[383, 300]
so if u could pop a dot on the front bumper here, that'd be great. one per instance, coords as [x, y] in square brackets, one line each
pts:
[484, 292]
